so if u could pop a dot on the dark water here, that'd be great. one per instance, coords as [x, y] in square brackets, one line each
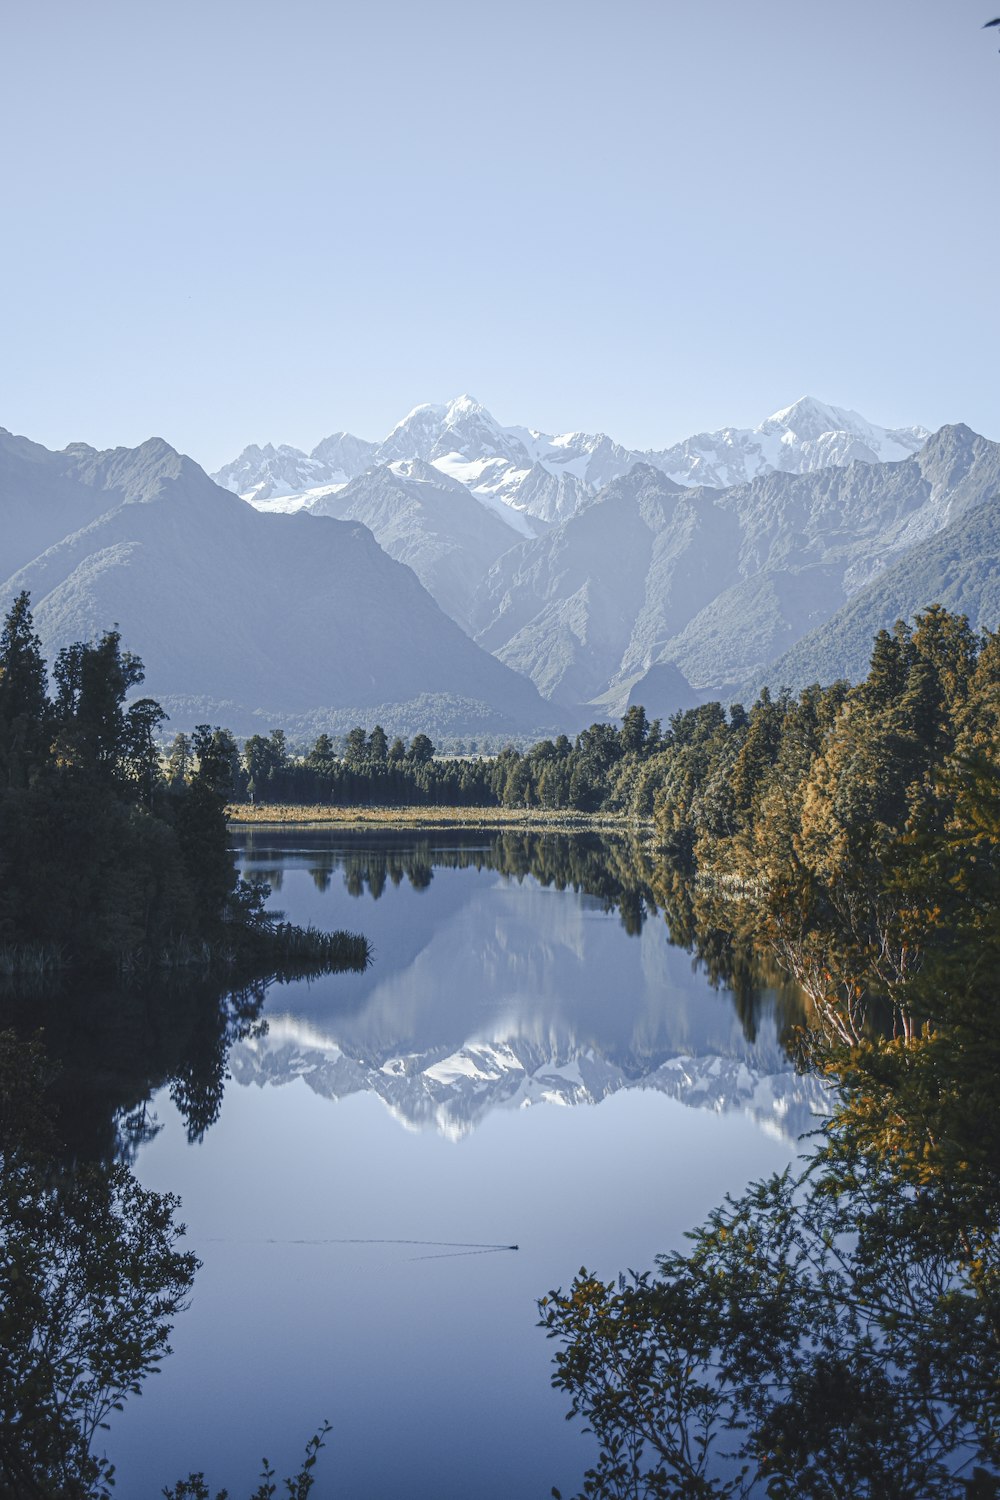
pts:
[526, 1063]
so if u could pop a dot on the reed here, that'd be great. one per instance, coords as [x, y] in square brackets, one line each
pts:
[30, 960]
[528, 818]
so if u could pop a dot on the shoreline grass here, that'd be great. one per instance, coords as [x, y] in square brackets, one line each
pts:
[247, 815]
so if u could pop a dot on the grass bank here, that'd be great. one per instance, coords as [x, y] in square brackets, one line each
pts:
[532, 819]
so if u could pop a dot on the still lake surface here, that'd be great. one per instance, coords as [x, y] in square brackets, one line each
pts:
[515, 1067]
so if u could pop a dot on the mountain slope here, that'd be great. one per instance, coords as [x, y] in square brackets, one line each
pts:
[562, 608]
[959, 568]
[717, 582]
[428, 521]
[235, 612]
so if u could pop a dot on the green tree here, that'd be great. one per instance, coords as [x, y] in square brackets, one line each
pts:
[378, 746]
[92, 683]
[356, 747]
[24, 709]
[818, 1340]
[634, 731]
[140, 753]
[200, 821]
[421, 750]
[180, 759]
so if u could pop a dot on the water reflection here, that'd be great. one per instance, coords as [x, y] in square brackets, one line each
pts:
[510, 971]
[91, 1277]
[110, 1049]
[487, 993]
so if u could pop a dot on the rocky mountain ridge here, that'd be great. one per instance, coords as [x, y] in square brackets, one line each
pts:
[718, 584]
[548, 478]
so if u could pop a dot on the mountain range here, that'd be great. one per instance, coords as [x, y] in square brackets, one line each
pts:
[461, 577]
[545, 479]
[718, 585]
[240, 618]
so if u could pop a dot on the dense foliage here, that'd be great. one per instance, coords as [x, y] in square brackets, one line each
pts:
[835, 1333]
[106, 863]
[603, 769]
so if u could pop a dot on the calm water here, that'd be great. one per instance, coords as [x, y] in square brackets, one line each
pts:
[515, 1067]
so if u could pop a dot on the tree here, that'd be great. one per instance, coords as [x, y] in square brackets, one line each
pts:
[634, 731]
[92, 683]
[421, 750]
[378, 746]
[200, 821]
[179, 761]
[355, 748]
[24, 708]
[820, 1339]
[140, 751]
[297, 1487]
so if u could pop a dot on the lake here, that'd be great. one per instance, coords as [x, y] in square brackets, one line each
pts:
[527, 1062]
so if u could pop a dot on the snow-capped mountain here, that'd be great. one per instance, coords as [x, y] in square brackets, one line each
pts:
[546, 479]
[721, 583]
[802, 437]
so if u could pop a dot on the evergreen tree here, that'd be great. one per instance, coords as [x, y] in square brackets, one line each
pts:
[421, 749]
[24, 709]
[378, 746]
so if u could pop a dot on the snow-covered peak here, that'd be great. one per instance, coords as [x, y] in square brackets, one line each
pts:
[414, 436]
[810, 434]
[810, 421]
[808, 418]
[463, 406]
[263, 473]
[471, 432]
[546, 477]
[344, 455]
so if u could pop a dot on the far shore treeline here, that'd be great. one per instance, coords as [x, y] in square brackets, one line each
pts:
[707, 778]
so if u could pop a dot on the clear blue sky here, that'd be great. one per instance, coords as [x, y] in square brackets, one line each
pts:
[232, 222]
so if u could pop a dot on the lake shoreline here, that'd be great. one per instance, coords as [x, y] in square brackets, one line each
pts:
[526, 819]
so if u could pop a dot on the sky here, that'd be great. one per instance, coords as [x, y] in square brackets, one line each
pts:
[244, 222]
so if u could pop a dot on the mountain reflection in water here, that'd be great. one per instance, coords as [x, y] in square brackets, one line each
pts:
[487, 993]
[509, 970]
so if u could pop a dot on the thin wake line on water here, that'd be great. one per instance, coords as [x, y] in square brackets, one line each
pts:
[450, 1248]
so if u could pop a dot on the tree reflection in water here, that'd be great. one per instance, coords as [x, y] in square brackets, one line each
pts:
[91, 1278]
[92, 1273]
